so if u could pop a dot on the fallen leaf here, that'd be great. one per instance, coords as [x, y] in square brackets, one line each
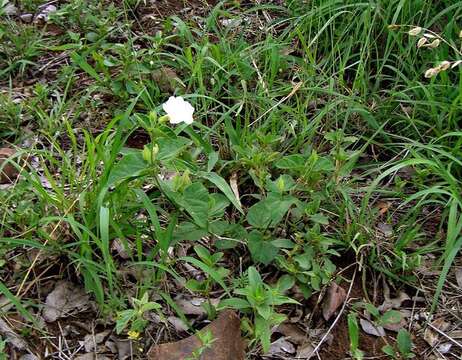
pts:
[459, 277]
[118, 246]
[336, 296]
[371, 329]
[194, 306]
[383, 207]
[441, 324]
[27, 18]
[64, 300]
[231, 23]
[281, 347]
[29, 357]
[431, 337]
[11, 337]
[305, 352]
[228, 344]
[165, 78]
[394, 303]
[385, 229]
[91, 341]
[124, 349]
[234, 187]
[177, 323]
[444, 348]
[456, 334]
[8, 171]
[9, 9]
[292, 333]
[44, 15]
[91, 356]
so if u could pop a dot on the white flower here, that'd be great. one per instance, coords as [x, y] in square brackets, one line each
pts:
[178, 110]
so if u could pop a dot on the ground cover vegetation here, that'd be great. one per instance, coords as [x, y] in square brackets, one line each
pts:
[317, 189]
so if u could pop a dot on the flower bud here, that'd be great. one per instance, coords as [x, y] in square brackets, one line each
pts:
[422, 41]
[415, 31]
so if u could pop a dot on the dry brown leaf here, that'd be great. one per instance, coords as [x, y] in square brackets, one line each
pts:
[8, 171]
[10, 9]
[431, 337]
[293, 333]
[281, 347]
[459, 277]
[165, 78]
[90, 342]
[383, 207]
[45, 13]
[305, 352]
[64, 300]
[234, 187]
[124, 349]
[29, 357]
[441, 324]
[385, 229]
[456, 334]
[194, 306]
[11, 337]
[91, 356]
[444, 347]
[227, 345]
[118, 246]
[178, 324]
[336, 296]
[394, 303]
[371, 329]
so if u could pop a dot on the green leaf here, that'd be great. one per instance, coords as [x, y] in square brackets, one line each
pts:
[372, 310]
[188, 231]
[234, 303]
[391, 317]
[254, 277]
[224, 187]
[320, 219]
[261, 250]
[169, 148]
[404, 342]
[294, 161]
[270, 211]
[264, 311]
[123, 318]
[353, 332]
[263, 332]
[130, 166]
[285, 283]
[388, 349]
[217, 205]
[203, 253]
[213, 158]
[259, 215]
[208, 270]
[85, 66]
[195, 200]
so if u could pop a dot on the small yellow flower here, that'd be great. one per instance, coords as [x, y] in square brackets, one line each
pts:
[133, 335]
